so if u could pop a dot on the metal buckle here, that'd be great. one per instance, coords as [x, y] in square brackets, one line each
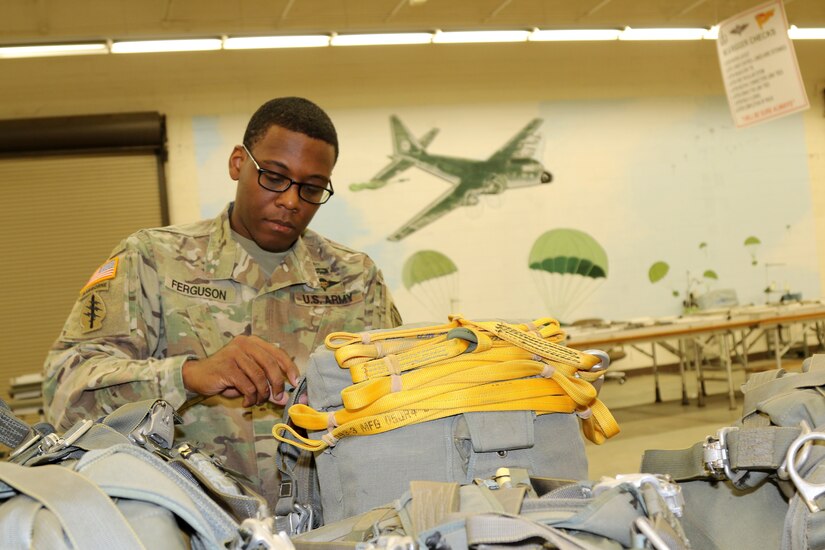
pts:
[716, 457]
[53, 442]
[300, 519]
[808, 491]
[670, 491]
[158, 426]
[26, 445]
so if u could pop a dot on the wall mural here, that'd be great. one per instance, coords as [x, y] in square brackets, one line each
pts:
[510, 167]
[432, 279]
[679, 201]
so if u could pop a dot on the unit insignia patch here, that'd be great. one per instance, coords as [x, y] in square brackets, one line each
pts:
[93, 313]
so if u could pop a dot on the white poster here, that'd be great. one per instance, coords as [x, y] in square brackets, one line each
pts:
[759, 67]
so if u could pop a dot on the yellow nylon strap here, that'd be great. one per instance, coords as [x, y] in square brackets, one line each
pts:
[471, 371]
[408, 376]
[403, 408]
[336, 340]
[435, 351]
[535, 344]
[460, 387]
[355, 354]
[508, 396]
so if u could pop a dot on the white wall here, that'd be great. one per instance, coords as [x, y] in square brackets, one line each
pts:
[194, 84]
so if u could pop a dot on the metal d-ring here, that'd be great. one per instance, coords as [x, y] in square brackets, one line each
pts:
[782, 471]
[808, 491]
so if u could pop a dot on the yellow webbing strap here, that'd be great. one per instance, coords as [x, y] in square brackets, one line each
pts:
[407, 376]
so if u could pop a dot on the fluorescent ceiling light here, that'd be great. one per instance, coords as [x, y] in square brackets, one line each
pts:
[662, 34]
[381, 39]
[573, 35]
[795, 33]
[255, 42]
[8, 52]
[151, 46]
[479, 36]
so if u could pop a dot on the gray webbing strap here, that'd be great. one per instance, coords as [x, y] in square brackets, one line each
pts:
[242, 506]
[298, 478]
[680, 464]
[128, 471]
[61, 490]
[762, 387]
[761, 448]
[498, 529]
[17, 520]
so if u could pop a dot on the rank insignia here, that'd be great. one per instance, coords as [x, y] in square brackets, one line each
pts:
[93, 312]
[326, 283]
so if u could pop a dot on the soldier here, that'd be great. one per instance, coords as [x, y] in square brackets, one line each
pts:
[215, 316]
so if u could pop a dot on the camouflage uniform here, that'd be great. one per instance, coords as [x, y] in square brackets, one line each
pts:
[184, 292]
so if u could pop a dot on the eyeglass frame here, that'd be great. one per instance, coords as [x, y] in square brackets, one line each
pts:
[301, 185]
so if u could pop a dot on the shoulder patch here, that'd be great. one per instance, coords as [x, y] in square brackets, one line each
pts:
[105, 272]
[94, 311]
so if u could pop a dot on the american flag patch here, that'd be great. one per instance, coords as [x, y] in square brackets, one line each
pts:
[104, 273]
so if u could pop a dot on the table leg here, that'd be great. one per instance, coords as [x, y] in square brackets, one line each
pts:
[777, 352]
[724, 355]
[682, 373]
[655, 372]
[700, 376]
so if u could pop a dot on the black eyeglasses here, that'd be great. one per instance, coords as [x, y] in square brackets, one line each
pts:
[279, 183]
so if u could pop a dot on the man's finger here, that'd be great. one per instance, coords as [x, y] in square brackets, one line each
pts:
[250, 380]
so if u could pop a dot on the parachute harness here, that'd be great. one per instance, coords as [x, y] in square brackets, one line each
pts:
[407, 376]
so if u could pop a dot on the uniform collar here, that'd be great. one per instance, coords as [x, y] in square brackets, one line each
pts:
[226, 259]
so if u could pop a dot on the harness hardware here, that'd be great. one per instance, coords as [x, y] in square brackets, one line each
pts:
[158, 426]
[53, 442]
[670, 492]
[716, 458]
[808, 491]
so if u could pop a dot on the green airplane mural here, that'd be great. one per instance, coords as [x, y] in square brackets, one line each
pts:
[511, 167]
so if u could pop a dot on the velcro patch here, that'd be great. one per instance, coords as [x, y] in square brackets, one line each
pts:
[105, 272]
[316, 299]
[93, 312]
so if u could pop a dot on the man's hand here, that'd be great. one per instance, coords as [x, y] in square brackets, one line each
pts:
[247, 366]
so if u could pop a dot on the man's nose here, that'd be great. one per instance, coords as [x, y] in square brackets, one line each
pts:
[289, 198]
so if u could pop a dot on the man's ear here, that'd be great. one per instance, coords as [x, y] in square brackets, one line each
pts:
[235, 159]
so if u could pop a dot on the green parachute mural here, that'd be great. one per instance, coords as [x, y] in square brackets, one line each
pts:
[752, 244]
[658, 271]
[567, 265]
[432, 279]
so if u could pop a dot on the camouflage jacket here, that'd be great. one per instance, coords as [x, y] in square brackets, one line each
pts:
[174, 293]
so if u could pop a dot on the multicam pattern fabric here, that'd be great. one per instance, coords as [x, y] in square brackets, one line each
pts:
[184, 292]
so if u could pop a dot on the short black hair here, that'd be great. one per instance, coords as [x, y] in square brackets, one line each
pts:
[295, 114]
